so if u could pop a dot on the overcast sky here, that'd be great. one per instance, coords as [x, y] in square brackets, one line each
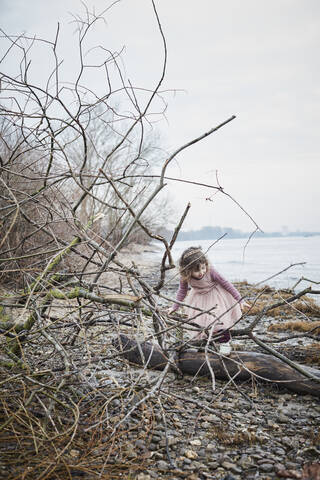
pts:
[256, 59]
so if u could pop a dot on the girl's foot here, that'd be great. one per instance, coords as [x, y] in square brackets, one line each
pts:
[225, 349]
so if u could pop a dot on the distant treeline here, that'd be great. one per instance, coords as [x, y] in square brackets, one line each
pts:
[209, 233]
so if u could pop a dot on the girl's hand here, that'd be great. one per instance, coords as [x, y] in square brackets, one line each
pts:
[245, 305]
[170, 311]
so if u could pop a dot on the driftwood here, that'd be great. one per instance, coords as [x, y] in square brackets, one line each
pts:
[240, 365]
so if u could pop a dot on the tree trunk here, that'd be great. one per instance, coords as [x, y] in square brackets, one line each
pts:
[241, 364]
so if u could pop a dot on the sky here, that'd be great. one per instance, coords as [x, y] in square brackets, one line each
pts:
[255, 59]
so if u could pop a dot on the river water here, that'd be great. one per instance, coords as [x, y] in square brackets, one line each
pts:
[262, 258]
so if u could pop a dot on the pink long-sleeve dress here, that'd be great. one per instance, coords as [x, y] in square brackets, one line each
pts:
[211, 292]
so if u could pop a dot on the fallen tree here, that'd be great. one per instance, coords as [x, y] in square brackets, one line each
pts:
[238, 366]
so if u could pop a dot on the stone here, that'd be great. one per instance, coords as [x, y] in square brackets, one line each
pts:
[191, 454]
[279, 451]
[193, 476]
[211, 447]
[196, 442]
[211, 418]
[265, 460]
[171, 441]
[231, 466]
[226, 416]
[287, 441]
[140, 444]
[266, 467]
[143, 476]
[290, 465]
[162, 465]
[74, 453]
[205, 425]
[283, 418]
[245, 461]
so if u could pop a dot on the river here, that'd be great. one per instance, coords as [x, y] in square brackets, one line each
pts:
[262, 258]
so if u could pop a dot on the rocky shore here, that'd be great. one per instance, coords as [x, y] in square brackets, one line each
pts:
[250, 432]
[238, 431]
[114, 419]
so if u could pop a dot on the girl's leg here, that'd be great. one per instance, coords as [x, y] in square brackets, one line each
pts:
[225, 345]
[224, 336]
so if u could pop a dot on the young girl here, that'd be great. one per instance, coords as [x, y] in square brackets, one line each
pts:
[209, 292]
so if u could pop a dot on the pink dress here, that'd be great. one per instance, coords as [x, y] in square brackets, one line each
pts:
[211, 292]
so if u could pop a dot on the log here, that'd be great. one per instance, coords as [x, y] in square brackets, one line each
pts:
[241, 364]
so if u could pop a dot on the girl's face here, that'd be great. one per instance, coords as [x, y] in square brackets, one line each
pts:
[200, 272]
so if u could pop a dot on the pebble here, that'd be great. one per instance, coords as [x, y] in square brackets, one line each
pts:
[162, 465]
[283, 418]
[279, 451]
[205, 424]
[170, 441]
[245, 461]
[212, 418]
[191, 454]
[287, 441]
[211, 447]
[290, 465]
[140, 444]
[154, 474]
[231, 466]
[196, 442]
[266, 467]
[143, 476]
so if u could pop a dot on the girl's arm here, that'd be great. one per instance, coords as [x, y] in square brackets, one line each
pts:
[181, 294]
[216, 277]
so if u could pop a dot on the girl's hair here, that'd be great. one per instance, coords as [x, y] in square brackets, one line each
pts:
[190, 261]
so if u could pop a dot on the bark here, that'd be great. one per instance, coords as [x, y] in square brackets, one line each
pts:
[240, 364]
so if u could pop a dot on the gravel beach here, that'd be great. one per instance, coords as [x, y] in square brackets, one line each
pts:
[239, 431]
[116, 420]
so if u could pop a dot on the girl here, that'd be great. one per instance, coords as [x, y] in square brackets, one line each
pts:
[209, 292]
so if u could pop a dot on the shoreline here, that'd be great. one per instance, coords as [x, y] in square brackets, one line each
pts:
[242, 430]
[149, 258]
[276, 324]
[173, 427]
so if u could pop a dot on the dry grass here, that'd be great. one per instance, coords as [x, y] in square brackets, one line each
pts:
[260, 298]
[241, 437]
[313, 357]
[35, 444]
[296, 326]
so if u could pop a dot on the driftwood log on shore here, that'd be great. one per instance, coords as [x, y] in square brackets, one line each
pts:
[240, 365]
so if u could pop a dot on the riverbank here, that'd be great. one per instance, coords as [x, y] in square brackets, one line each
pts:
[238, 431]
[277, 262]
[115, 420]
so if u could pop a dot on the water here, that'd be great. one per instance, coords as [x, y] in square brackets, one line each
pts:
[262, 258]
